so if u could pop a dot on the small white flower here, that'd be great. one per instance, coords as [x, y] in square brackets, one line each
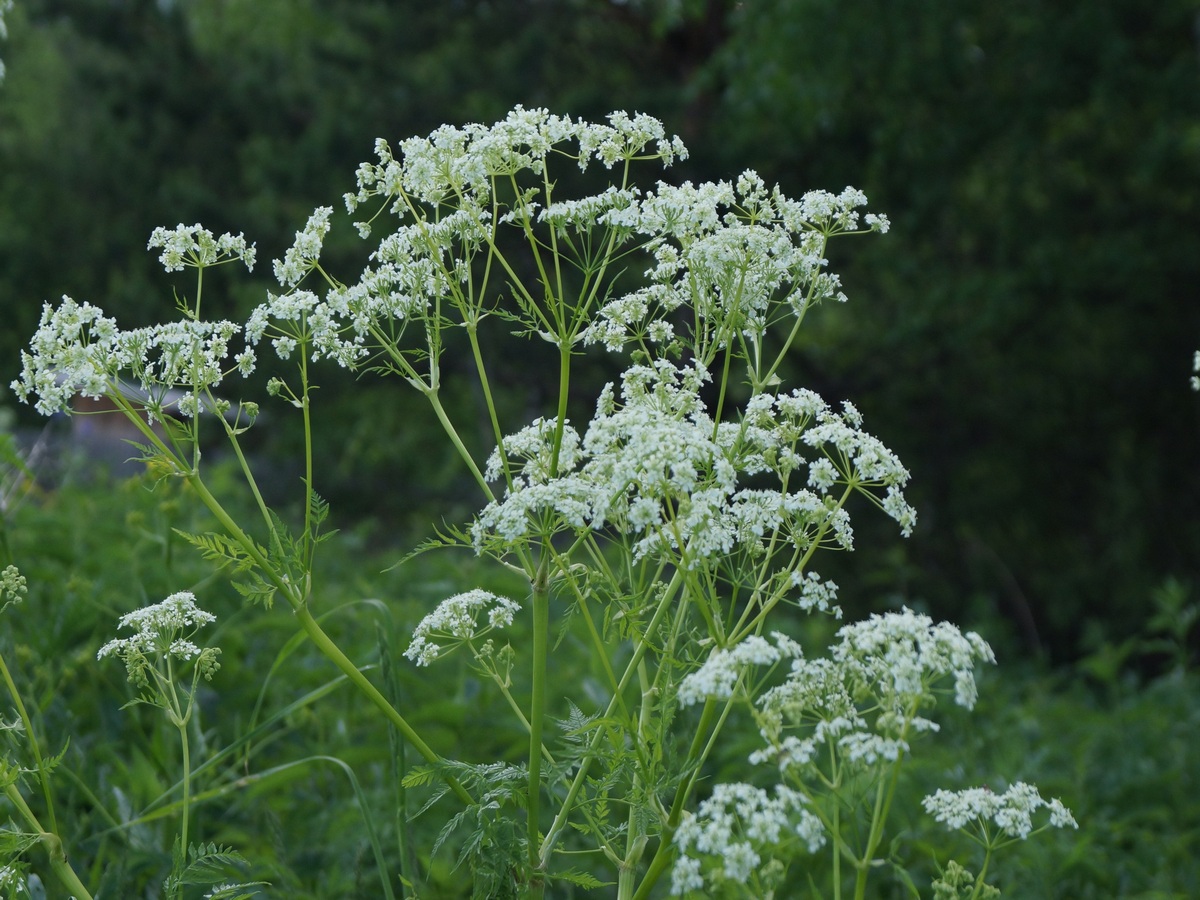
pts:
[1012, 812]
[455, 620]
[724, 667]
[306, 249]
[734, 829]
[194, 246]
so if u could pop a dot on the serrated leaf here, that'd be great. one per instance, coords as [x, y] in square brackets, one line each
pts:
[419, 776]
[585, 880]
[14, 843]
[219, 548]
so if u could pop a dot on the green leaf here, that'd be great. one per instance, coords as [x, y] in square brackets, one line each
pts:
[584, 880]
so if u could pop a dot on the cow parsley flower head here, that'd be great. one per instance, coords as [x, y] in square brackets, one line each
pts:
[194, 246]
[1011, 812]
[75, 350]
[163, 631]
[724, 668]
[304, 252]
[731, 834]
[456, 621]
[900, 655]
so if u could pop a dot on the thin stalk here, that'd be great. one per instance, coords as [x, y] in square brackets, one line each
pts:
[325, 644]
[662, 856]
[635, 838]
[537, 714]
[982, 879]
[306, 412]
[564, 811]
[452, 433]
[744, 627]
[883, 805]
[485, 385]
[187, 786]
[249, 476]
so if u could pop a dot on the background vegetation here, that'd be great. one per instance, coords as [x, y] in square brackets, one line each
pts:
[1022, 337]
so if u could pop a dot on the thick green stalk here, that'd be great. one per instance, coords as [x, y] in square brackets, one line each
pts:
[27, 724]
[53, 844]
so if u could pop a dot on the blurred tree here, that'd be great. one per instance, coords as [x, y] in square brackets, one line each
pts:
[1023, 334]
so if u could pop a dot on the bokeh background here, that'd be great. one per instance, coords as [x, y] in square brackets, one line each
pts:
[1023, 338]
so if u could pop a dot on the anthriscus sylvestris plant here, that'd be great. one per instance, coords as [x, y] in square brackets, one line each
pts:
[673, 534]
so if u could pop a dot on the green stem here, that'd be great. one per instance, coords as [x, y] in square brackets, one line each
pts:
[306, 412]
[981, 881]
[486, 387]
[662, 856]
[53, 844]
[187, 786]
[537, 714]
[884, 794]
[635, 837]
[452, 433]
[334, 653]
[564, 811]
[27, 724]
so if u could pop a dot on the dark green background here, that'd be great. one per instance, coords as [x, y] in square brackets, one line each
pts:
[1023, 337]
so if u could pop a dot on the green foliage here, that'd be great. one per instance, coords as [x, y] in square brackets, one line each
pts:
[1033, 309]
[1040, 160]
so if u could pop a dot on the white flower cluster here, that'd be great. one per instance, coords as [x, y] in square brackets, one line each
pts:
[159, 628]
[902, 654]
[455, 619]
[1196, 368]
[530, 454]
[195, 246]
[816, 594]
[1011, 812]
[459, 163]
[726, 839]
[730, 252]
[12, 875]
[888, 666]
[303, 316]
[79, 350]
[725, 666]
[306, 249]
[656, 466]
